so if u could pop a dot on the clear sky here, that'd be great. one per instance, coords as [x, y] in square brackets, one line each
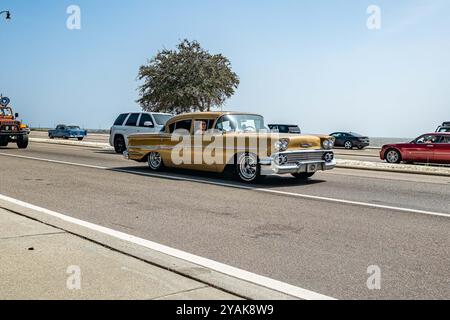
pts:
[312, 62]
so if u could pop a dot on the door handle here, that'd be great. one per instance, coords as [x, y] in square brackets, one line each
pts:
[430, 146]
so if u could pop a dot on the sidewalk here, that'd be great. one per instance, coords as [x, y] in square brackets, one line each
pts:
[41, 262]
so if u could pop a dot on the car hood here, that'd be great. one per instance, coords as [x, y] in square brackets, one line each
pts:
[396, 145]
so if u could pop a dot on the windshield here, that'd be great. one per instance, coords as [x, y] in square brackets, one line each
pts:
[161, 119]
[241, 123]
[444, 129]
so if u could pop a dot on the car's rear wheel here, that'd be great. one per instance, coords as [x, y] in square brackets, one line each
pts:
[80, 139]
[393, 156]
[119, 144]
[247, 168]
[348, 145]
[303, 175]
[155, 161]
[51, 137]
[22, 142]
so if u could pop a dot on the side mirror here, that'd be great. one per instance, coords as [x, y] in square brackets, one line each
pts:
[16, 115]
[148, 124]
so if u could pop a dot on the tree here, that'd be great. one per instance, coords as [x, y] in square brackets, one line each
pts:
[187, 79]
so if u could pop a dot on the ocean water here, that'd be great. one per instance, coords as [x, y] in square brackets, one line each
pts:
[380, 141]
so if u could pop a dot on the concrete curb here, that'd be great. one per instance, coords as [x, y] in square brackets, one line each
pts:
[100, 145]
[397, 168]
[226, 283]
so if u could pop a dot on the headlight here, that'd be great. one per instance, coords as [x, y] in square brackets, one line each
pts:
[281, 145]
[328, 144]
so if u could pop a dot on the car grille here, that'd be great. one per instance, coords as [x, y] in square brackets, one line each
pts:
[9, 128]
[304, 156]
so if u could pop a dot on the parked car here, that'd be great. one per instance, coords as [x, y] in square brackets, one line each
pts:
[67, 132]
[285, 128]
[444, 128]
[11, 129]
[428, 148]
[238, 141]
[135, 122]
[350, 140]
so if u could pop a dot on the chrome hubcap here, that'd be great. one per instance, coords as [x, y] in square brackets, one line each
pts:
[248, 166]
[392, 156]
[154, 160]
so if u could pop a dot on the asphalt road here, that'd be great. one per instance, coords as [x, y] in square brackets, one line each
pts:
[371, 155]
[277, 229]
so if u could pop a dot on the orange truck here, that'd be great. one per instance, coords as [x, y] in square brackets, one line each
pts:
[12, 130]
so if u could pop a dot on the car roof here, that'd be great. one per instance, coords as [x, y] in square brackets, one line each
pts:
[210, 114]
[436, 134]
[169, 114]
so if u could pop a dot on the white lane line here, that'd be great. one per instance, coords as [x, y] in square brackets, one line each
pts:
[204, 262]
[53, 161]
[237, 186]
[292, 194]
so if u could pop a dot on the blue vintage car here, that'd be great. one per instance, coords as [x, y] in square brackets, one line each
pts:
[67, 132]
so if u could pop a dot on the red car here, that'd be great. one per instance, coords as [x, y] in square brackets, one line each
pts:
[428, 148]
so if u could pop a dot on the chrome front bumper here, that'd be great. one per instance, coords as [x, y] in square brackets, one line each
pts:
[297, 162]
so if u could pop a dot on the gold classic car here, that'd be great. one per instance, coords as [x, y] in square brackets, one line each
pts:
[217, 141]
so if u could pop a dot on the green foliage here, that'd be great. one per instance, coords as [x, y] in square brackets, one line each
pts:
[187, 79]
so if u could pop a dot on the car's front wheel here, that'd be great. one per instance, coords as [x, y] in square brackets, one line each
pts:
[393, 156]
[303, 175]
[3, 142]
[22, 142]
[80, 139]
[247, 168]
[155, 161]
[119, 144]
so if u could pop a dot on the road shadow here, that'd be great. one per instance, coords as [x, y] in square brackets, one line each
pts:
[226, 179]
[108, 152]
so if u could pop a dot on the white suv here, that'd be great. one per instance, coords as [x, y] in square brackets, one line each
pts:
[135, 122]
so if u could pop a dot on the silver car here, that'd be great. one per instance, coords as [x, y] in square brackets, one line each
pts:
[135, 122]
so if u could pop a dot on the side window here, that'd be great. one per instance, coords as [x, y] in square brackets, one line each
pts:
[426, 139]
[283, 129]
[224, 124]
[145, 117]
[183, 125]
[132, 120]
[120, 119]
[445, 139]
[202, 125]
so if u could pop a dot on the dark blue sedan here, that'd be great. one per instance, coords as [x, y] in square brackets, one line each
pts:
[67, 132]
